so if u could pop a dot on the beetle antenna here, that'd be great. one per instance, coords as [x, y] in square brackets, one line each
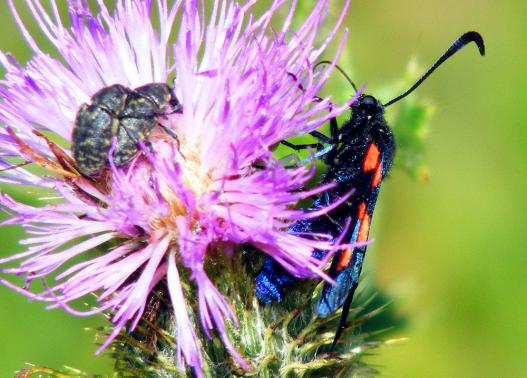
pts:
[458, 44]
[339, 69]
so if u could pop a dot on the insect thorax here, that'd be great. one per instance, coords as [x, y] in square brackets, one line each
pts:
[365, 126]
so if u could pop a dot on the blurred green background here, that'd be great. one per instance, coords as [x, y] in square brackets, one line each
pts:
[451, 252]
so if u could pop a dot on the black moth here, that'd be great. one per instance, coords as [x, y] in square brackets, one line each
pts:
[118, 111]
[358, 155]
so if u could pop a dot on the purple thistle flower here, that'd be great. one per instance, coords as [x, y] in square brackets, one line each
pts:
[216, 184]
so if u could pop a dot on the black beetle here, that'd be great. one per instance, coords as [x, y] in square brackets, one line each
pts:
[128, 114]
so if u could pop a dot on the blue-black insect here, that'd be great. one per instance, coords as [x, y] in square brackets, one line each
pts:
[358, 156]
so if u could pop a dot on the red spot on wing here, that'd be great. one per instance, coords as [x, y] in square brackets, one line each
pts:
[371, 159]
[364, 229]
[364, 219]
[345, 259]
[377, 176]
[361, 211]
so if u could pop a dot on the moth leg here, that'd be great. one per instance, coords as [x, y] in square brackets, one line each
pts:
[300, 147]
[321, 137]
[334, 130]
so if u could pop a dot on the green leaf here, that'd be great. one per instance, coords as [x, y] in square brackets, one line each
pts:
[410, 120]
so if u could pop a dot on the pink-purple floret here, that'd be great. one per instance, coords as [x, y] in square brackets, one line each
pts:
[239, 82]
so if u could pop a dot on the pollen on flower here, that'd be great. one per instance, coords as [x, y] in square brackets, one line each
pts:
[194, 177]
[185, 158]
[192, 172]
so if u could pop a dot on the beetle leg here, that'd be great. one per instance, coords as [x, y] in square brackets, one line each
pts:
[173, 134]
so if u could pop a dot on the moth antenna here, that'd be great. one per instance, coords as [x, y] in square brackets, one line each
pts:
[339, 69]
[458, 44]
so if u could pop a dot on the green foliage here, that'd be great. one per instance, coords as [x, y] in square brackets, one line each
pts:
[67, 372]
[411, 127]
[410, 120]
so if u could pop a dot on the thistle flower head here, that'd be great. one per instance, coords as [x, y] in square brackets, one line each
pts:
[204, 181]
